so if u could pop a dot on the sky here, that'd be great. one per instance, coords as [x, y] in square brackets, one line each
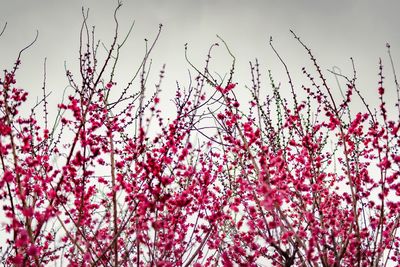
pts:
[334, 30]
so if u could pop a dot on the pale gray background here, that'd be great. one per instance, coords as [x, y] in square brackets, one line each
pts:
[335, 30]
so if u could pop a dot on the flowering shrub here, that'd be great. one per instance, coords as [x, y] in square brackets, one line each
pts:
[291, 182]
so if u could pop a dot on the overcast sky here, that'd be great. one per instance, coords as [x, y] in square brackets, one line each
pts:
[335, 30]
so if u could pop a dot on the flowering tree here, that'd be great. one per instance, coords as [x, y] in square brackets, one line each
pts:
[296, 200]
[304, 181]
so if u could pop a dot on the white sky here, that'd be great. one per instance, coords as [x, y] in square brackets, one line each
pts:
[335, 30]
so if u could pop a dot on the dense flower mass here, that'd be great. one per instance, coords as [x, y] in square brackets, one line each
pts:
[299, 181]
